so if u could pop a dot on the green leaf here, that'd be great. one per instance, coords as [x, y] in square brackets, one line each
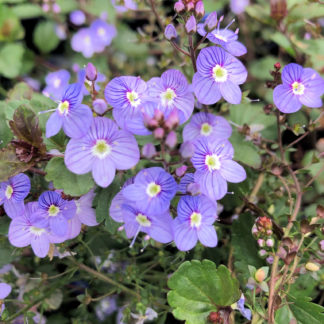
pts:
[10, 165]
[10, 26]
[11, 59]
[306, 10]
[28, 10]
[45, 37]
[5, 133]
[20, 91]
[198, 288]
[5, 252]
[305, 311]
[72, 184]
[25, 126]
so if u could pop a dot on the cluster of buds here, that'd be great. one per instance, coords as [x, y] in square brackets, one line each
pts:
[163, 128]
[51, 6]
[276, 74]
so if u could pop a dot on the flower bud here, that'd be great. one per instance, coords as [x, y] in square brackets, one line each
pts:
[171, 140]
[150, 122]
[310, 266]
[148, 150]
[278, 9]
[191, 25]
[172, 120]
[200, 10]
[270, 242]
[262, 253]
[77, 17]
[159, 133]
[321, 245]
[182, 170]
[260, 242]
[193, 188]
[179, 7]
[269, 259]
[187, 150]
[277, 66]
[99, 106]
[56, 8]
[190, 6]
[158, 115]
[260, 275]
[211, 21]
[170, 32]
[91, 72]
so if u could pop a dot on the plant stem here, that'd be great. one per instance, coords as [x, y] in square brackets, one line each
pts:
[315, 177]
[192, 53]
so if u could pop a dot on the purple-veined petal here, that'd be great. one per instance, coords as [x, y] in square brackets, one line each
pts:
[208, 58]
[74, 228]
[115, 210]
[5, 290]
[185, 237]
[19, 234]
[237, 72]
[69, 209]
[285, 100]
[207, 235]
[291, 73]
[103, 172]
[21, 186]
[232, 171]
[236, 48]
[131, 229]
[206, 89]
[58, 225]
[14, 208]
[54, 124]
[311, 99]
[40, 245]
[161, 230]
[231, 92]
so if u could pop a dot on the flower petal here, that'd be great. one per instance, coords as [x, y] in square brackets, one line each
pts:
[40, 245]
[5, 290]
[19, 234]
[14, 208]
[285, 100]
[207, 235]
[236, 48]
[74, 228]
[291, 73]
[231, 92]
[206, 89]
[185, 237]
[103, 172]
[161, 229]
[58, 225]
[53, 124]
[232, 171]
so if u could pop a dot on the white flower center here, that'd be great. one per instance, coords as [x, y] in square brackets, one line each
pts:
[168, 96]
[298, 88]
[224, 39]
[63, 108]
[101, 31]
[213, 162]
[57, 83]
[206, 129]
[195, 219]
[143, 220]
[53, 210]
[219, 73]
[101, 149]
[133, 99]
[9, 192]
[78, 206]
[36, 231]
[153, 189]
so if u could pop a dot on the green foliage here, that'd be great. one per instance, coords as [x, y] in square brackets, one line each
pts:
[45, 37]
[198, 288]
[71, 183]
[10, 26]
[11, 59]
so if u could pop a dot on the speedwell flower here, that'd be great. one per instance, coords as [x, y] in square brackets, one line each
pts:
[214, 167]
[102, 150]
[5, 290]
[56, 83]
[70, 114]
[219, 75]
[301, 86]
[102, 34]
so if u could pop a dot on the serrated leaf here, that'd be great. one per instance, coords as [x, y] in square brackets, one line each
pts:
[197, 288]
[45, 37]
[10, 165]
[72, 184]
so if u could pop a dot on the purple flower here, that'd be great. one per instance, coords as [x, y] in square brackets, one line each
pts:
[155, 224]
[77, 17]
[170, 32]
[32, 229]
[246, 312]
[206, 125]
[224, 37]
[83, 41]
[194, 222]
[238, 6]
[85, 212]
[5, 290]
[125, 5]
[57, 211]
[127, 94]
[214, 167]
[188, 185]
[103, 34]
[12, 194]
[153, 189]
[219, 75]
[74, 117]
[99, 106]
[187, 149]
[106, 307]
[104, 149]
[148, 150]
[301, 86]
[56, 84]
[172, 91]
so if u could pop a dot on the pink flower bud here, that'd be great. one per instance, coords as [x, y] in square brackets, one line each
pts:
[260, 275]
[191, 25]
[149, 122]
[190, 6]
[91, 72]
[99, 106]
[200, 10]
[170, 32]
[179, 7]
[262, 253]
[211, 21]
[56, 8]
[171, 140]
[269, 259]
[260, 242]
[173, 120]
[187, 150]
[158, 115]
[159, 133]
[45, 7]
[148, 150]
[181, 170]
[270, 242]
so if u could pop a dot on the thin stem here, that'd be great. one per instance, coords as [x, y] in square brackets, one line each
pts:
[179, 49]
[315, 177]
[103, 296]
[158, 18]
[298, 139]
[192, 53]
[282, 153]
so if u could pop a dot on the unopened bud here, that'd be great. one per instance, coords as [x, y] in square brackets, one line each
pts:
[148, 150]
[171, 140]
[179, 7]
[260, 242]
[190, 6]
[173, 120]
[159, 133]
[277, 66]
[193, 188]
[150, 122]
[310, 266]
[211, 21]
[262, 253]
[56, 8]
[269, 259]
[99, 106]
[181, 170]
[278, 9]
[187, 150]
[199, 10]
[191, 25]
[158, 115]
[170, 32]
[260, 275]
[91, 72]
[270, 242]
